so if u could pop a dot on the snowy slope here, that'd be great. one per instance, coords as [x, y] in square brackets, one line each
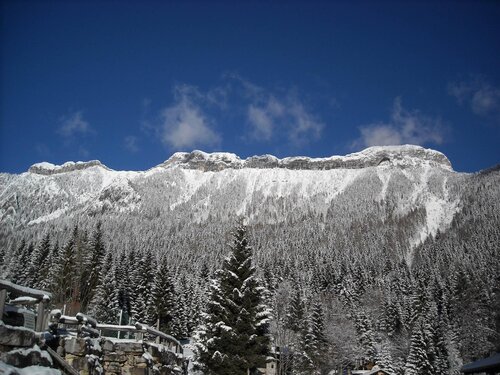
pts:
[198, 186]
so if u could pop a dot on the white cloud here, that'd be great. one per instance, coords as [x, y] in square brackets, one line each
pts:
[262, 122]
[83, 152]
[263, 117]
[43, 150]
[486, 101]
[271, 115]
[130, 143]
[482, 97]
[404, 127]
[73, 124]
[185, 125]
[303, 126]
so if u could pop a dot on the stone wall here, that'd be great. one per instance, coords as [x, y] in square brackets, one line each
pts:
[19, 350]
[119, 356]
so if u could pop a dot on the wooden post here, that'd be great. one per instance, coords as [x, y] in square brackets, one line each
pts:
[3, 296]
[40, 316]
[120, 321]
[158, 328]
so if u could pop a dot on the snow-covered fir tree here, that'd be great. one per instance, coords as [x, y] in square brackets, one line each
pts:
[105, 306]
[419, 361]
[92, 267]
[143, 278]
[233, 338]
[161, 304]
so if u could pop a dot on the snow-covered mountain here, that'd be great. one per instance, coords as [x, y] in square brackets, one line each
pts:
[198, 187]
[371, 235]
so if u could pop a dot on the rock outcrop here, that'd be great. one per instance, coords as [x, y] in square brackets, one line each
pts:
[371, 157]
[47, 169]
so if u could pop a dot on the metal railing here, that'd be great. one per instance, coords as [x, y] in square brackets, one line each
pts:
[40, 297]
[88, 326]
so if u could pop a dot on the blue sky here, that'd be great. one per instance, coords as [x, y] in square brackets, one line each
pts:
[130, 83]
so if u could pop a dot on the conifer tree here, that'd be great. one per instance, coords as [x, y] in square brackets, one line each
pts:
[24, 270]
[65, 279]
[161, 305]
[123, 279]
[296, 312]
[105, 303]
[311, 358]
[143, 282]
[92, 269]
[15, 265]
[179, 324]
[384, 358]
[2, 258]
[418, 361]
[53, 272]
[43, 254]
[233, 338]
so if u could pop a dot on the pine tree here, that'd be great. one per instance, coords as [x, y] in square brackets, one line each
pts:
[65, 279]
[143, 282]
[15, 265]
[192, 305]
[2, 258]
[105, 303]
[92, 269]
[179, 324]
[161, 305]
[365, 333]
[384, 358]
[296, 312]
[418, 361]
[39, 266]
[311, 358]
[25, 276]
[53, 272]
[124, 285]
[233, 338]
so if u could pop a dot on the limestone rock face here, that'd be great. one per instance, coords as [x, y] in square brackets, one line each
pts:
[16, 336]
[27, 357]
[370, 157]
[76, 346]
[48, 169]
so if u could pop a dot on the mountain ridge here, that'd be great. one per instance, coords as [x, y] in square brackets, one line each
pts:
[404, 155]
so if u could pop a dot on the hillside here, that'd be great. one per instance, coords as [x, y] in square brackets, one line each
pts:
[364, 233]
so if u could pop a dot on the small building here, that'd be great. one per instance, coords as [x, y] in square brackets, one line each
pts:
[488, 366]
[374, 371]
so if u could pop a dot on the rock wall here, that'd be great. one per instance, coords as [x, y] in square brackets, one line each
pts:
[21, 348]
[119, 356]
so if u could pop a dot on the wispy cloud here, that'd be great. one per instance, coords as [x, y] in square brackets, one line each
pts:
[404, 127]
[73, 125]
[83, 152]
[303, 125]
[482, 97]
[263, 117]
[130, 142]
[269, 114]
[184, 124]
[43, 150]
[281, 114]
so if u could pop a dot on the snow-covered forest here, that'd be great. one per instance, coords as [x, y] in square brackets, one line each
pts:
[390, 264]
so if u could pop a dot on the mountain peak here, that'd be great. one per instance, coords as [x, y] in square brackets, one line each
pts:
[404, 155]
[46, 168]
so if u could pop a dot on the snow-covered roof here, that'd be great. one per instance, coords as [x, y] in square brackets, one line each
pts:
[483, 365]
[25, 291]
